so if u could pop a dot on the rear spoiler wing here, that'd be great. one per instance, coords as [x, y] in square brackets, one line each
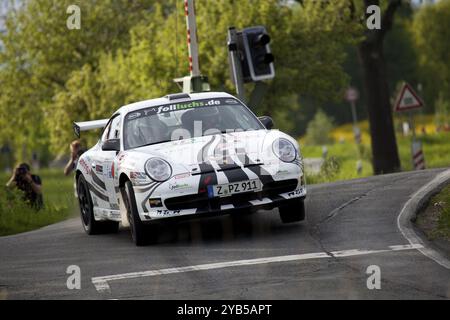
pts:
[88, 125]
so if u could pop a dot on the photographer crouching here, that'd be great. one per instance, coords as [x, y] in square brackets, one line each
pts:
[29, 184]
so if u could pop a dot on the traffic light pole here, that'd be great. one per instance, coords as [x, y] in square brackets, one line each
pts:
[235, 63]
[257, 94]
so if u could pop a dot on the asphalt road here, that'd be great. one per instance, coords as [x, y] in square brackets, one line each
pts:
[350, 225]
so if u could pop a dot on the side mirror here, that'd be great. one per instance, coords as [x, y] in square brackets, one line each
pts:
[111, 145]
[267, 122]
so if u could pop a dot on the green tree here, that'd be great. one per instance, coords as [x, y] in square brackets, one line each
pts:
[319, 129]
[375, 79]
[39, 54]
[431, 34]
[131, 50]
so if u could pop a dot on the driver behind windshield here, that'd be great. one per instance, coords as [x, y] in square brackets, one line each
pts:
[202, 120]
[147, 130]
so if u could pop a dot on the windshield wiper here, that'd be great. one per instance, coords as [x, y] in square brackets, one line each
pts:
[152, 143]
[218, 132]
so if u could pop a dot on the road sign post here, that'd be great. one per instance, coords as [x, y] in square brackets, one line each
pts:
[408, 101]
[418, 158]
[352, 95]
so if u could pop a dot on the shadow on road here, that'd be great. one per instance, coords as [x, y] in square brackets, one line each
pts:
[226, 228]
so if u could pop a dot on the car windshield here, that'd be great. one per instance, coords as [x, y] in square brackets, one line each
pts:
[186, 120]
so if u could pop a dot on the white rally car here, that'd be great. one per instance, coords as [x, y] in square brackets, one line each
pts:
[186, 155]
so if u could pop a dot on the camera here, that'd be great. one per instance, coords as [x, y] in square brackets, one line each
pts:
[20, 173]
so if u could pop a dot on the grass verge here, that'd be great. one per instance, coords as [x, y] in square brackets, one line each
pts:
[59, 200]
[434, 221]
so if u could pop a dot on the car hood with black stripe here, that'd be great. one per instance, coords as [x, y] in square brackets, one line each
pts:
[190, 153]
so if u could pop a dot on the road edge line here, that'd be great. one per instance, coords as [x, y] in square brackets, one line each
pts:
[409, 213]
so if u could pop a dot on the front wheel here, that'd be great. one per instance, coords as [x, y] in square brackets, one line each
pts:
[294, 211]
[140, 233]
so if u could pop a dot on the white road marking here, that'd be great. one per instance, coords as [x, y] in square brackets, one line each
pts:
[408, 211]
[101, 283]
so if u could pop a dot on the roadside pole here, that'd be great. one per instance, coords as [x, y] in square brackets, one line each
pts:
[412, 124]
[352, 95]
[195, 82]
[235, 63]
[191, 25]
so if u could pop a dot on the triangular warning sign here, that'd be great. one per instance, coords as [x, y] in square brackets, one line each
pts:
[407, 99]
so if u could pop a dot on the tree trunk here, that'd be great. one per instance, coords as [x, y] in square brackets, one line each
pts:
[385, 157]
[384, 145]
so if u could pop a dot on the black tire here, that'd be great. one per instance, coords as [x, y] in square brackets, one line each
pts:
[294, 211]
[141, 234]
[91, 226]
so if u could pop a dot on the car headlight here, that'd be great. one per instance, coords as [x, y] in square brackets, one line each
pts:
[284, 150]
[158, 169]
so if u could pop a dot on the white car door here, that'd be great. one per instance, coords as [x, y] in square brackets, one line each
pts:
[110, 164]
[104, 168]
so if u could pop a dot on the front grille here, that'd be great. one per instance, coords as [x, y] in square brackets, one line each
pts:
[270, 190]
[191, 201]
[277, 187]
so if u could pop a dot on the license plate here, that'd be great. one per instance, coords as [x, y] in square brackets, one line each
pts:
[226, 190]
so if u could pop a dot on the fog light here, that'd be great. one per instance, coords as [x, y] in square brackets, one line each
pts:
[155, 203]
[302, 180]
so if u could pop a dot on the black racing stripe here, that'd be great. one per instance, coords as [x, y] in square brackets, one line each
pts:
[98, 181]
[241, 153]
[208, 174]
[206, 179]
[262, 174]
[98, 193]
[228, 164]
[154, 187]
[232, 170]
[234, 173]
[204, 150]
[145, 189]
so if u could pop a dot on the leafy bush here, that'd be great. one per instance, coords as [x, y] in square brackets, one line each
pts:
[319, 129]
[330, 168]
[442, 111]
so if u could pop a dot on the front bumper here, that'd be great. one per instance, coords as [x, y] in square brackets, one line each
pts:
[273, 195]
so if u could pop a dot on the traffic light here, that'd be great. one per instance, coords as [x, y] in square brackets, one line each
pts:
[256, 58]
